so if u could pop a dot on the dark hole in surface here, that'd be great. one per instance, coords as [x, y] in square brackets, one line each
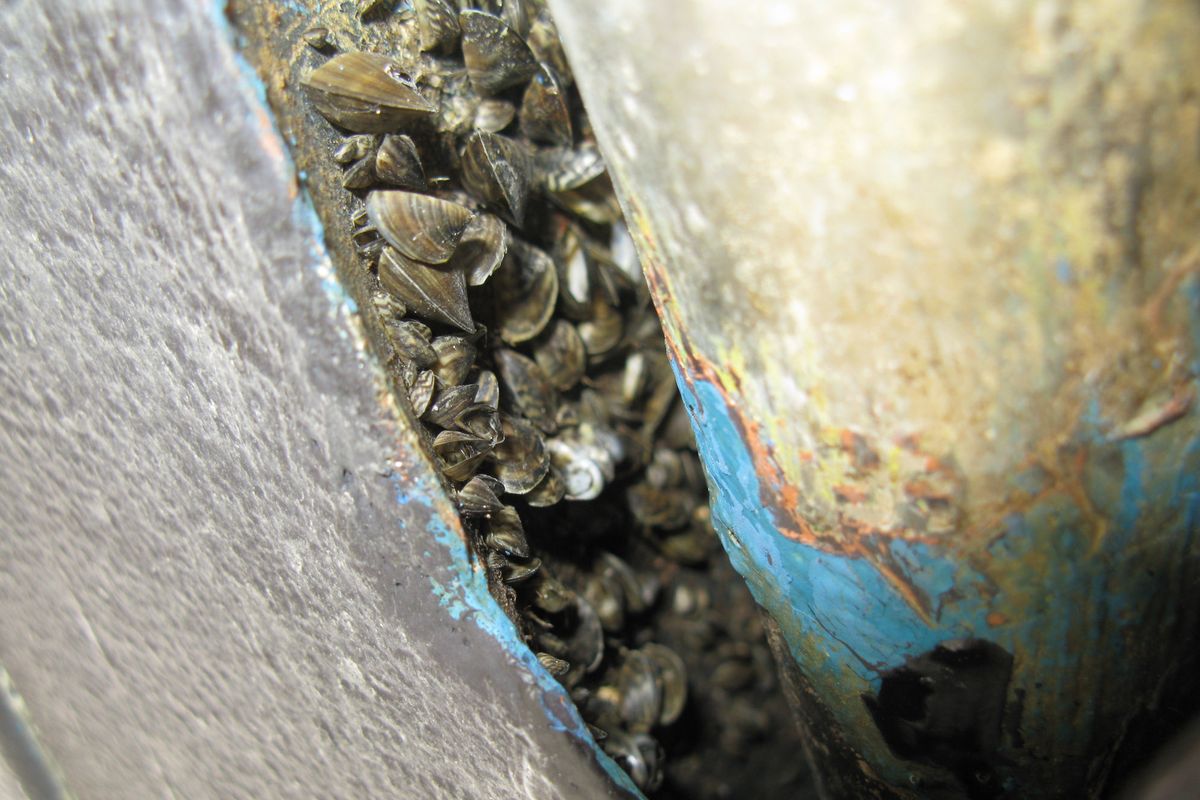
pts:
[944, 708]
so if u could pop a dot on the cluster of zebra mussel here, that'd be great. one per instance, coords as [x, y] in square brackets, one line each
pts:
[522, 336]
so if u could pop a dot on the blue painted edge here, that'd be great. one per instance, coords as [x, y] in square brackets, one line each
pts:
[465, 593]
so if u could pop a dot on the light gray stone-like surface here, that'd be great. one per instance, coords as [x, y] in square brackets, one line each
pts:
[208, 588]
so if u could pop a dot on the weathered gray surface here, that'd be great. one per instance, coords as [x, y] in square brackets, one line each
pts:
[208, 590]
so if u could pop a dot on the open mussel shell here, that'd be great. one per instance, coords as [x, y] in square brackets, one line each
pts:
[526, 289]
[496, 56]
[448, 404]
[672, 676]
[423, 228]
[398, 163]
[482, 248]
[479, 497]
[437, 25]
[365, 93]
[432, 293]
[545, 115]
[494, 115]
[560, 353]
[460, 453]
[506, 534]
[521, 461]
[526, 388]
[622, 749]
[496, 170]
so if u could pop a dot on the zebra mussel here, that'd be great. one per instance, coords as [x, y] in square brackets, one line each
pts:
[522, 339]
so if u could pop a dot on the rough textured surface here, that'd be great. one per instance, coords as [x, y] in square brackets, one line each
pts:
[208, 586]
[930, 277]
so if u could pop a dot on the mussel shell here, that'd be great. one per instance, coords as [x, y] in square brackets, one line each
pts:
[478, 497]
[551, 596]
[460, 453]
[605, 596]
[455, 357]
[482, 248]
[489, 389]
[513, 12]
[526, 388]
[506, 534]
[410, 343]
[594, 201]
[638, 595]
[586, 643]
[398, 163]
[641, 692]
[365, 93]
[496, 56]
[545, 116]
[669, 509]
[494, 115]
[354, 148]
[672, 677]
[574, 275]
[555, 666]
[432, 293]
[560, 353]
[421, 391]
[521, 460]
[604, 330]
[563, 169]
[437, 24]
[583, 476]
[526, 288]
[448, 404]
[421, 227]
[496, 170]
[481, 420]
[318, 38]
[548, 492]
[543, 41]
[519, 572]
[388, 307]
[360, 175]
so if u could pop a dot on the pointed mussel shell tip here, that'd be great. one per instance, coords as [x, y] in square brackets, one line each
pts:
[495, 55]
[437, 294]
[365, 93]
